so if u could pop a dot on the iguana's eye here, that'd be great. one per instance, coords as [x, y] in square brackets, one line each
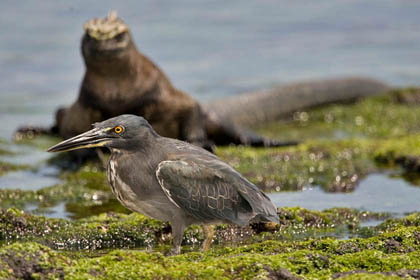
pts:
[118, 129]
[120, 37]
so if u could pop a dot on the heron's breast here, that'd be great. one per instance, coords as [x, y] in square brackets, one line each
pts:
[125, 194]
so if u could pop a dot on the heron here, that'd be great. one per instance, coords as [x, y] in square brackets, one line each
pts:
[173, 181]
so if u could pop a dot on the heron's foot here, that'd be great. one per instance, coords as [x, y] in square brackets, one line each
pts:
[209, 234]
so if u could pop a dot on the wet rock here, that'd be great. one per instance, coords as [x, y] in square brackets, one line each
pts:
[348, 247]
[115, 230]
[304, 259]
[358, 274]
[319, 261]
[392, 246]
[334, 165]
[282, 274]
[408, 96]
[31, 261]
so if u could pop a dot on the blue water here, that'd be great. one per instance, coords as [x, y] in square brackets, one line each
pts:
[209, 49]
[377, 193]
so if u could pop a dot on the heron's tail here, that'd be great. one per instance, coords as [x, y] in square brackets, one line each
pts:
[264, 208]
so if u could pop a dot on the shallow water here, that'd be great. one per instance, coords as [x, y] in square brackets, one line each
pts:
[377, 192]
[30, 180]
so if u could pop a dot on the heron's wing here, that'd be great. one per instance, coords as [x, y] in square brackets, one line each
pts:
[209, 189]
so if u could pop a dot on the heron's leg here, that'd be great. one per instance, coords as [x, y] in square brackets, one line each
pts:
[208, 233]
[177, 233]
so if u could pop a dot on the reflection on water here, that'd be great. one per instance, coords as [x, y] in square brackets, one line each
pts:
[38, 176]
[30, 180]
[378, 193]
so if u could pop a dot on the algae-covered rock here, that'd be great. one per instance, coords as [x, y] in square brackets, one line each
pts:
[31, 261]
[376, 117]
[394, 253]
[116, 230]
[85, 191]
[7, 167]
[409, 96]
[340, 145]
[333, 165]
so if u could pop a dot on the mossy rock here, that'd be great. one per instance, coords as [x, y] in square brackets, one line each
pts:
[341, 144]
[116, 230]
[31, 261]
[375, 117]
[378, 256]
[333, 165]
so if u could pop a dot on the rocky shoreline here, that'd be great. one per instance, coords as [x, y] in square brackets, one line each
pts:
[341, 144]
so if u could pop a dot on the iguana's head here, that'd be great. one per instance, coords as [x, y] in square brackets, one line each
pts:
[105, 37]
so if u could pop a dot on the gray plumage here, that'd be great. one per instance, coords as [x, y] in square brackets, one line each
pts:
[170, 180]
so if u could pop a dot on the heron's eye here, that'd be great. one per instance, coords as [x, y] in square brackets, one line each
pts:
[118, 129]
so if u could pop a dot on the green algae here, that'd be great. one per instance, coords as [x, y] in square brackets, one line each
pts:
[85, 192]
[6, 167]
[31, 261]
[393, 253]
[409, 96]
[116, 230]
[374, 117]
[340, 152]
[333, 165]
[342, 144]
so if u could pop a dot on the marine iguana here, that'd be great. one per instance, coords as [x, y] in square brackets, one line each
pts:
[121, 80]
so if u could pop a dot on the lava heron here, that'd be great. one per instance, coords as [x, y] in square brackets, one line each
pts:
[171, 180]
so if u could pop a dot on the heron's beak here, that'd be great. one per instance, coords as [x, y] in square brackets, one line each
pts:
[96, 137]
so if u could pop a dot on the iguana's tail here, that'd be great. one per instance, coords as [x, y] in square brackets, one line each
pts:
[259, 107]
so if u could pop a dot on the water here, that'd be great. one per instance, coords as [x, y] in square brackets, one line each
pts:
[29, 180]
[209, 49]
[377, 193]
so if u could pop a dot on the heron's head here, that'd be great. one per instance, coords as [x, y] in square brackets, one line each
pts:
[105, 39]
[124, 132]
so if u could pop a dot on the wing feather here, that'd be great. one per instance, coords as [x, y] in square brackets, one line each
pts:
[209, 189]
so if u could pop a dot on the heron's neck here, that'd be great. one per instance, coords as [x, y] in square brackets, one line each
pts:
[146, 145]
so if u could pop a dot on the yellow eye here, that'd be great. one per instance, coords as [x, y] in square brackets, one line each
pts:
[118, 129]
